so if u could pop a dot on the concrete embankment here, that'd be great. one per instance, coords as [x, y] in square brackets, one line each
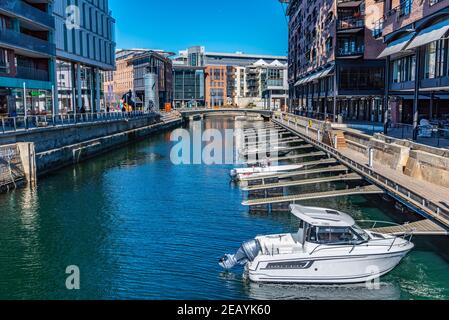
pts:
[54, 148]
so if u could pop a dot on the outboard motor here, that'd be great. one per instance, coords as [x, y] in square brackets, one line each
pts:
[247, 253]
[233, 174]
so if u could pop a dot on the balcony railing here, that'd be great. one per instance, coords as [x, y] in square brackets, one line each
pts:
[350, 23]
[347, 52]
[31, 73]
[16, 39]
[26, 11]
[378, 28]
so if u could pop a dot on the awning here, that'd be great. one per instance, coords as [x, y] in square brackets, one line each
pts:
[396, 46]
[315, 76]
[430, 34]
[349, 4]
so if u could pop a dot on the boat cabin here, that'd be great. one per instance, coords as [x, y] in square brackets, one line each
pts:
[327, 227]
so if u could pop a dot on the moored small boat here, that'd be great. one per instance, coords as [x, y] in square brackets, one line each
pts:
[329, 248]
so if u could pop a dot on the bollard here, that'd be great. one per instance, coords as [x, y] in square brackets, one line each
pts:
[371, 157]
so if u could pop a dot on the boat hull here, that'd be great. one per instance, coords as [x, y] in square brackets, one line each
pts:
[324, 270]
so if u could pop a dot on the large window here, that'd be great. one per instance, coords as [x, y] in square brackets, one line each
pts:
[434, 58]
[361, 78]
[404, 69]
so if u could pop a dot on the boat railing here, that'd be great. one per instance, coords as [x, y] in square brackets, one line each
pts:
[377, 224]
[369, 243]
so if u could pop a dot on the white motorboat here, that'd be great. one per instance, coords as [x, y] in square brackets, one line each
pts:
[238, 174]
[329, 248]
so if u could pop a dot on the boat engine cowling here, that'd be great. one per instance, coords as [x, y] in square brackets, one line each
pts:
[247, 253]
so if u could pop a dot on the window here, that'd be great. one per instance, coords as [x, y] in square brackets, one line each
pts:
[405, 7]
[4, 61]
[404, 69]
[434, 59]
[336, 235]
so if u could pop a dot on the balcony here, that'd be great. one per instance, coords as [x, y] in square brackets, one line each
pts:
[16, 40]
[348, 3]
[350, 23]
[31, 74]
[353, 52]
[24, 10]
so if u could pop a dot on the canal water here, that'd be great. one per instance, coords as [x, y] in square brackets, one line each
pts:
[139, 227]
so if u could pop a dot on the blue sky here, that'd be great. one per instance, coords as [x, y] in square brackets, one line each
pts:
[251, 26]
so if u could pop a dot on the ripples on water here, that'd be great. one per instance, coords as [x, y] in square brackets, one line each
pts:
[140, 228]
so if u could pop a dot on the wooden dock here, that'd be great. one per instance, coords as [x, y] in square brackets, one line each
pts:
[304, 182]
[285, 140]
[304, 172]
[274, 127]
[294, 157]
[263, 151]
[310, 196]
[420, 228]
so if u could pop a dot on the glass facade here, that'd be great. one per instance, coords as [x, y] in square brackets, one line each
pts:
[67, 88]
[188, 87]
[404, 69]
[361, 78]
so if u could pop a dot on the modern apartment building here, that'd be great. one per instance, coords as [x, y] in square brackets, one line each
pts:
[85, 47]
[216, 86]
[266, 84]
[188, 86]
[333, 65]
[226, 75]
[27, 57]
[153, 75]
[416, 36]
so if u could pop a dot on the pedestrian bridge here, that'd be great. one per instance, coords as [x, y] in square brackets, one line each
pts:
[201, 112]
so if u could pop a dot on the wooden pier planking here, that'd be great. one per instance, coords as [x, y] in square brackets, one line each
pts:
[296, 148]
[420, 228]
[264, 142]
[303, 172]
[294, 157]
[310, 196]
[295, 183]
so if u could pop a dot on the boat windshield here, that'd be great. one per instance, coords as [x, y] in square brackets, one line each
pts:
[336, 235]
[360, 232]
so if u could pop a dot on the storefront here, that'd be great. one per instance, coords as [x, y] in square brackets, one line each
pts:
[37, 102]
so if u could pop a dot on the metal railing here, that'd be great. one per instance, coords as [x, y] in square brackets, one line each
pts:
[351, 23]
[33, 122]
[345, 52]
[430, 135]
[371, 243]
[32, 73]
[27, 42]
[426, 206]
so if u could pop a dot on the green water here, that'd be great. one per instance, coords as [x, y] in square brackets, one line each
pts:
[139, 227]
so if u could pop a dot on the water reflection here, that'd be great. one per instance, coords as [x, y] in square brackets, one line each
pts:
[385, 291]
